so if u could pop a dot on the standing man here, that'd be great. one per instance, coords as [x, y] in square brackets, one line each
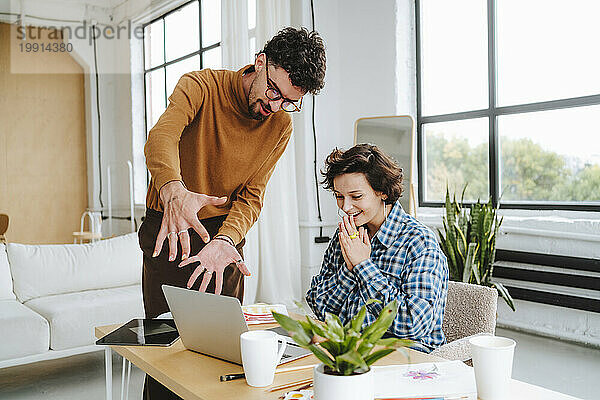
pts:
[211, 155]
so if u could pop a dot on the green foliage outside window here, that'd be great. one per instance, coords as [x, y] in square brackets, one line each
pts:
[529, 172]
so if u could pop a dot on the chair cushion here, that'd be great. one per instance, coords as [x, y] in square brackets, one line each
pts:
[74, 316]
[22, 331]
[46, 270]
[6, 283]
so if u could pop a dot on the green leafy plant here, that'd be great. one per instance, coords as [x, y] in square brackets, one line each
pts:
[469, 243]
[345, 349]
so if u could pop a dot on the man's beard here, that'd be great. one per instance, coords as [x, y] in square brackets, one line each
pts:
[254, 106]
[254, 110]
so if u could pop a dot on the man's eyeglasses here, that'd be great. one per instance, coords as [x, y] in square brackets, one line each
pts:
[274, 94]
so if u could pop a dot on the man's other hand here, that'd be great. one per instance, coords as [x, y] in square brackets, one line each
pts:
[214, 257]
[181, 213]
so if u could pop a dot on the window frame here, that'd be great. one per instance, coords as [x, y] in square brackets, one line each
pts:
[164, 64]
[492, 112]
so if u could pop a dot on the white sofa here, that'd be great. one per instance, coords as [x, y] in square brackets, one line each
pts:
[52, 296]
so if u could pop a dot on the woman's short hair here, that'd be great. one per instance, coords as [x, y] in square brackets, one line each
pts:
[382, 172]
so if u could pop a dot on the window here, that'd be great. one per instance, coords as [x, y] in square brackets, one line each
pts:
[508, 102]
[185, 39]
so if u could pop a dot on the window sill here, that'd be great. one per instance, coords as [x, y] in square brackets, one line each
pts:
[568, 233]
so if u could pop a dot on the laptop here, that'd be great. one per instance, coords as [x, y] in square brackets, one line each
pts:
[211, 324]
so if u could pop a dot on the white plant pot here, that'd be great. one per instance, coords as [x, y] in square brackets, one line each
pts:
[335, 387]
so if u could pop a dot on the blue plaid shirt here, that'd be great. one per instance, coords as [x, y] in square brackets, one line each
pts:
[406, 264]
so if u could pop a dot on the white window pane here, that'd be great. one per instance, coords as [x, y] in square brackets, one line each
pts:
[211, 22]
[182, 31]
[155, 96]
[456, 153]
[252, 48]
[453, 56]
[551, 155]
[153, 44]
[177, 70]
[251, 14]
[547, 50]
[212, 58]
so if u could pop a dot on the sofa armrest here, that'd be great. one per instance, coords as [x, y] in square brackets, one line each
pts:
[457, 350]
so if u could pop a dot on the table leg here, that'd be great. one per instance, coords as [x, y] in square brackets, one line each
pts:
[108, 365]
[128, 379]
[123, 377]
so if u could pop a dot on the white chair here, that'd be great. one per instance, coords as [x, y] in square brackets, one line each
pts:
[470, 311]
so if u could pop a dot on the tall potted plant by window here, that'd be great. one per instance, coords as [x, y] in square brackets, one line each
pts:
[469, 242]
[345, 351]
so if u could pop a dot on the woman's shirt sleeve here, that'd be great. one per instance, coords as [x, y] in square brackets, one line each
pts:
[333, 285]
[416, 276]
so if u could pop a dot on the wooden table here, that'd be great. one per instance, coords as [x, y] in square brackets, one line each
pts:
[194, 376]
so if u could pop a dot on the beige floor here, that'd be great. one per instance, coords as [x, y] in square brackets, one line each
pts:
[559, 366]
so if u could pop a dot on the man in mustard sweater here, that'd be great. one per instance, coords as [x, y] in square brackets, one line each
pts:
[210, 156]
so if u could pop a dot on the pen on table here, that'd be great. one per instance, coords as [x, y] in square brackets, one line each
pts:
[231, 377]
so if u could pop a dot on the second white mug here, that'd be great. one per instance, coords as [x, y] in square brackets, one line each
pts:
[492, 361]
[260, 356]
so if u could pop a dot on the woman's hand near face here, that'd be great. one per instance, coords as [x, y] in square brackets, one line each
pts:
[357, 249]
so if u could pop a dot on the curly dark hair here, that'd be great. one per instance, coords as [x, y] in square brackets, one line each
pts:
[301, 54]
[382, 172]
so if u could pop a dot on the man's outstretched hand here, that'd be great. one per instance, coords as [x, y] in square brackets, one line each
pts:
[214, 257]
[181, 213]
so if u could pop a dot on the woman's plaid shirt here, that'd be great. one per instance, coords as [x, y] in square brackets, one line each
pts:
[406, 264]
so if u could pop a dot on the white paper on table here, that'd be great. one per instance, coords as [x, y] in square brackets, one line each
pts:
[443, 379]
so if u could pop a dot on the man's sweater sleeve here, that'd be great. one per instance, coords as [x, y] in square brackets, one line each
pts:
[246, 207]
[162, 146]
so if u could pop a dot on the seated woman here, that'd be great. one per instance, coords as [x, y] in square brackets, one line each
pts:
[389, 256]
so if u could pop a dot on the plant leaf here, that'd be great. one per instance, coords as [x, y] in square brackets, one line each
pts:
[394, 342]
[371, 358]
[333, 328]
[294, 328]
[356, 362]
[469, 263]
[378, 328]
[322, 356]
[504, 294]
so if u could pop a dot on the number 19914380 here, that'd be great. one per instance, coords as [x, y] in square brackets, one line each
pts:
[46, 47]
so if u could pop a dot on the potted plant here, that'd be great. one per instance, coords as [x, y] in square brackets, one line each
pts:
[469, 243]
[345, 351]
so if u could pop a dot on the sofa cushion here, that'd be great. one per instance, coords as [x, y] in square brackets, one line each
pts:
[6, 284]
[22, 331]
[45, 270]
[74, 316]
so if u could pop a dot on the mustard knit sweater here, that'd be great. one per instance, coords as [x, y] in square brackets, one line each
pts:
[207, 139]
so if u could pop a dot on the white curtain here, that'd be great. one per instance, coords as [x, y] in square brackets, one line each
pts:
[272, 248]
[235, 48]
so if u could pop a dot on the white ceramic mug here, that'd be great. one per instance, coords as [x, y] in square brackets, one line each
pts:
[260, 356]
[492, 360]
